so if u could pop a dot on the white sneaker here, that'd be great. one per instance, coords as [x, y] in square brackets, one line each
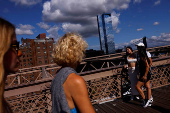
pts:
[137, 97]
[149, 105]
[151, 99]
[134, 97]
[146, 103]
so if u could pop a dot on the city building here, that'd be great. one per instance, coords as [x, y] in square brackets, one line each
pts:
[37, 51]
[106, 33]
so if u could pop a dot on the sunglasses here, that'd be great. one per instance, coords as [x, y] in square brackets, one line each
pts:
[15, 47]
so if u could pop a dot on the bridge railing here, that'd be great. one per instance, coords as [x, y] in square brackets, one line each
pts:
[34, 74]
[103, 85]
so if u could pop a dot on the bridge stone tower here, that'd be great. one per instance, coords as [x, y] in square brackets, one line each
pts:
[106, 33]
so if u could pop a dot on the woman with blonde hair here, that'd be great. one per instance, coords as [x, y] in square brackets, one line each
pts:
[9, 58]
[68, 90]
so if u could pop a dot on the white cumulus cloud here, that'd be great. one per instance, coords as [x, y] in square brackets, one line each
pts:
[153, 41]
[85, 30]
[81, 13]
[24, 29]
[137, 1]
[26, 2]
[140, 29]
[161, 40]
[118, 30]
[156, 23]
[43, 25]
[53, 32]
[157, 2]
[154, 37]
[115, 19]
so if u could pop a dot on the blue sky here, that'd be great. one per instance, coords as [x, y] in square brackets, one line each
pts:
[131, 19]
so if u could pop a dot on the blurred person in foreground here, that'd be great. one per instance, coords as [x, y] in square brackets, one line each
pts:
[68, 90]
[145, 62]
[130, 61]
[9, 58]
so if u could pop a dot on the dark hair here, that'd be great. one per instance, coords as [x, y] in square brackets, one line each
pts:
[142, 52]
[125, 57]
[130, 49]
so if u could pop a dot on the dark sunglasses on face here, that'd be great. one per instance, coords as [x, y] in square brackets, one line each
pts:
[15, 46]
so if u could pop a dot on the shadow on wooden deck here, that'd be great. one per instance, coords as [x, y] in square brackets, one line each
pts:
[161, 104]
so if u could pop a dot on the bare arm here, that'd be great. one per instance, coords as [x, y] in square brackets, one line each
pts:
[147, 68]
[150, 61]
[80, 95]
[125, 66]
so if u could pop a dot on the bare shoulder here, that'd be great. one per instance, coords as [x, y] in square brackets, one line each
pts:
[79, 93]
[75, 80]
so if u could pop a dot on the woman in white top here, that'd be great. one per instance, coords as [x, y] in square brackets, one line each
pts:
[132, 70]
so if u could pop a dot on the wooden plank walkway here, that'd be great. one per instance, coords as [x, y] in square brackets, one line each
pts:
[161, 104]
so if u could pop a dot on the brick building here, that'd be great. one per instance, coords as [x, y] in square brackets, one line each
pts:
[37, 51]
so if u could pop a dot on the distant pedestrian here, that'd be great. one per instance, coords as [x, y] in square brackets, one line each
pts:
[131, 65]
[9, 58]
[68, 90]
[145, 74]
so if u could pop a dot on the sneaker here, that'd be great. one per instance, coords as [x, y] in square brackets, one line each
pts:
[146, 102]
[149, 105]
[134, 97]
[137, 97]
[151, 100]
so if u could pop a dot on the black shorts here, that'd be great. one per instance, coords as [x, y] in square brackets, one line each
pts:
[148, 77]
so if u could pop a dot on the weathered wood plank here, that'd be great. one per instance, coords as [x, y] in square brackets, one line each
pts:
[161, 104]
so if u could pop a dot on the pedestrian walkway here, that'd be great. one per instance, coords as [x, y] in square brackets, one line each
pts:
[161, 104]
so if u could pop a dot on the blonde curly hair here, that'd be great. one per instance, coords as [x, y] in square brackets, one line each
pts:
[69, 49]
